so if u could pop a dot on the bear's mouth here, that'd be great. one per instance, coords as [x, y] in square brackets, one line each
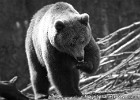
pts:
[80, 59]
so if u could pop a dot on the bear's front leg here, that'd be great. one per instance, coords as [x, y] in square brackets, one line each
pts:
[66, 82]
[85, 66]
[38, 73]
[91, 58]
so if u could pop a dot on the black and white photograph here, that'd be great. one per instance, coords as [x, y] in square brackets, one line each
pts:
[69, 49]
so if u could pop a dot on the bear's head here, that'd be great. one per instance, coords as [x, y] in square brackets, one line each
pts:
[71, 36]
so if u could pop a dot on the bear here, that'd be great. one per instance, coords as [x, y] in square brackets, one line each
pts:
[58, 45]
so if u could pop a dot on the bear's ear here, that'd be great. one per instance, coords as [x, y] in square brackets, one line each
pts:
[59, 25]
[84, 18]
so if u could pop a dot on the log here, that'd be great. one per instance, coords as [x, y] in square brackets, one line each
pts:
[113, 37]
[120, 42]
[9, 91]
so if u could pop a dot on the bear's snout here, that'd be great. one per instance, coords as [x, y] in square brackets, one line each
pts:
[80, 59]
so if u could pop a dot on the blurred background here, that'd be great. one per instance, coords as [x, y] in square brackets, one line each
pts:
[106, 16]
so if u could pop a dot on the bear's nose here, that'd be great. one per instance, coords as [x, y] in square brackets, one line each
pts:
[80, 59]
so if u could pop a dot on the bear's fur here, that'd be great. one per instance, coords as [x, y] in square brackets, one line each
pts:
[58, 43]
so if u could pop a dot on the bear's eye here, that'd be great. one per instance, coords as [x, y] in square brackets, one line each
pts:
[82, 40]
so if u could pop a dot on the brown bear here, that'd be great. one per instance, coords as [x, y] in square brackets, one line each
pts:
[59, 42]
